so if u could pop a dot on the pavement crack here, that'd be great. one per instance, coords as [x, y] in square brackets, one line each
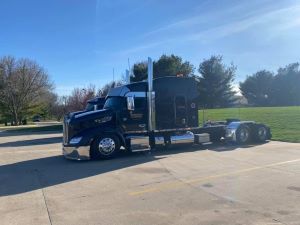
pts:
[38, 175]
[175, 177]
[278, 221]
[199, 188]
[169, 172]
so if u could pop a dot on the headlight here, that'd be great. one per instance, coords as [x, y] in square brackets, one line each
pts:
[75, 140]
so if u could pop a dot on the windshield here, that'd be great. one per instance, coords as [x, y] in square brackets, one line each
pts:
[89, 107]
[114, 103]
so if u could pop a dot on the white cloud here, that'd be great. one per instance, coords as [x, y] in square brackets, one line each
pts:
[272, 21]
[278, 19]
[199, 19]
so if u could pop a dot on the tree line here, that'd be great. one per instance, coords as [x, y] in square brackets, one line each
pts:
[26, 90]
[215, 81]
[79, 98]
[265, 88]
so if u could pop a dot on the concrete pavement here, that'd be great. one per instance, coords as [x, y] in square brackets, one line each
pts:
[185, 185]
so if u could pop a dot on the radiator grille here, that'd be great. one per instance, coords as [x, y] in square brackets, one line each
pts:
[65, 131]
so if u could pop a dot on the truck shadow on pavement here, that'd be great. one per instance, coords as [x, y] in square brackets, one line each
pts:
[30, 175]
[38, 141]
[231, 147]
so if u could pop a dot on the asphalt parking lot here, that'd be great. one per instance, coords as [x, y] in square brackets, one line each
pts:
[213, 185]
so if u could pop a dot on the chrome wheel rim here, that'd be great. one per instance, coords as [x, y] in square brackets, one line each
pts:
[262, 133]
[244, 135]
[107, 146]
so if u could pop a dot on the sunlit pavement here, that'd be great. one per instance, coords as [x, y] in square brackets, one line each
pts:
[186, 185]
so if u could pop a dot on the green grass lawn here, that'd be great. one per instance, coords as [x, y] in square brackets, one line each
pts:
[283, 121]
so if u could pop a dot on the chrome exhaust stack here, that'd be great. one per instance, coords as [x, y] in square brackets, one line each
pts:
[127, 77]
[151, 98]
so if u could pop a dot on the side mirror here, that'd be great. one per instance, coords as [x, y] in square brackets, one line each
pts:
[130, 103]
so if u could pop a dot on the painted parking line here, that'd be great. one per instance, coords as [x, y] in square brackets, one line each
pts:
[179, 183]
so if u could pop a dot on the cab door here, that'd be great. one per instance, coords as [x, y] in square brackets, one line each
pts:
[180, 111]
[136, 120]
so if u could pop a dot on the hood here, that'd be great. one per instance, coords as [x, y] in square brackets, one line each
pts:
[89, 122]
[91, 115]
[71, 114]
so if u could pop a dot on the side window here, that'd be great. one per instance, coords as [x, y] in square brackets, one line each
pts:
[100, 106]
[139, 103]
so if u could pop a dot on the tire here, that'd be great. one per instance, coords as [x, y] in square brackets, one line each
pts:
[261, 133]
[106, 146]
[243, 135]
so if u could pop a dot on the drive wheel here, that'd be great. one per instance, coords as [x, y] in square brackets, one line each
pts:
[261, 134]
[105, 147]
[243, 135]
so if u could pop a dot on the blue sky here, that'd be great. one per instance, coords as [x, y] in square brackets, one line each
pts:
[80, 42]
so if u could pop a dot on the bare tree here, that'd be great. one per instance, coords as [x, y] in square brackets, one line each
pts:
[23, 82]
[60, 108]
[105, 89]
[79, 97]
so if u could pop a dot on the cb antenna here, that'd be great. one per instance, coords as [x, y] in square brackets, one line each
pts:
[129, 65]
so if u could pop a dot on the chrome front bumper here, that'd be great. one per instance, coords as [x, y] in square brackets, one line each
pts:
[76, 153]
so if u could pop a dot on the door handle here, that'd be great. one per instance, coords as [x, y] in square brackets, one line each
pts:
[142, 125]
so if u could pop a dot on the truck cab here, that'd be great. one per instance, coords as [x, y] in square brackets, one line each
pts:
[125, 116]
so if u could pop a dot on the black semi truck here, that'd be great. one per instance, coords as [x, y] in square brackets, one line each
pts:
[143, 115]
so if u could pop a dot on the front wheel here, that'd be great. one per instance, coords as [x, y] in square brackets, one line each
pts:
[105, 147]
